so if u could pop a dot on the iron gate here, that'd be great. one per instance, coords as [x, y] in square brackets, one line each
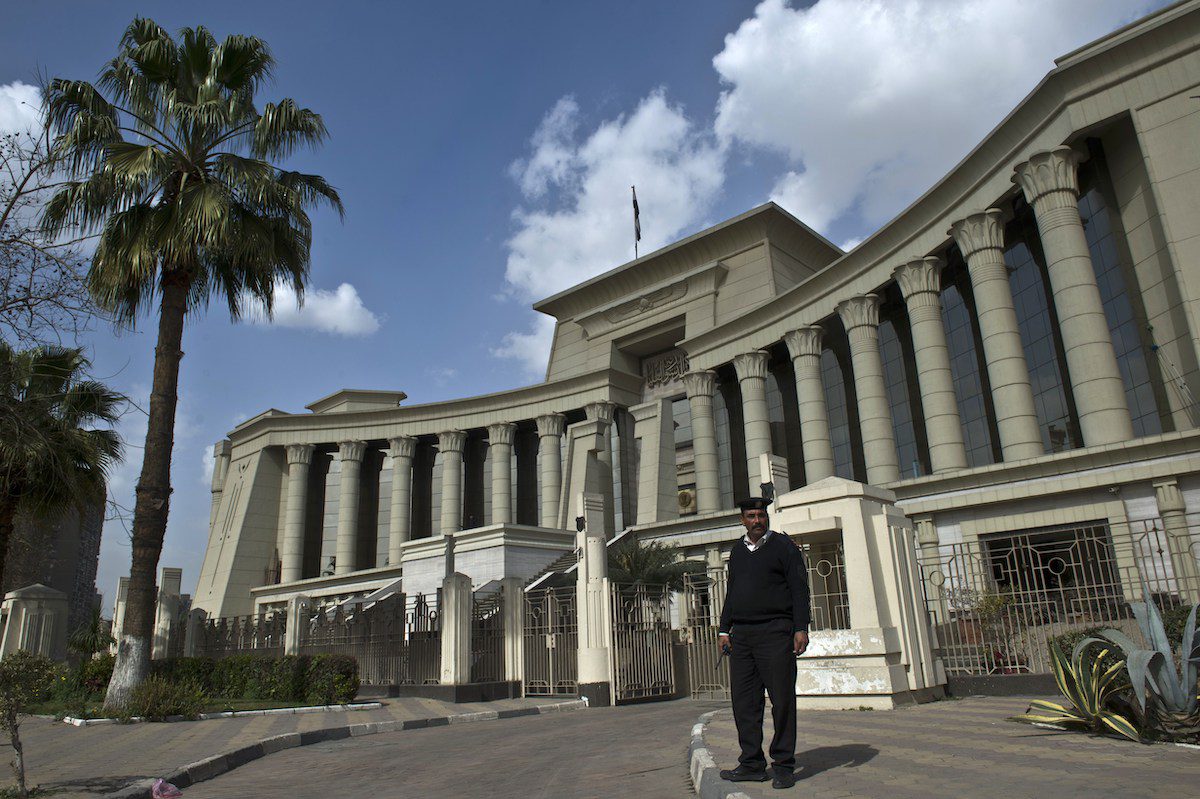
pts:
[551, 642]
[643, 667]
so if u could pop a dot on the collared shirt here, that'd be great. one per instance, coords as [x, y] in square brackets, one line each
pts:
[753, 547]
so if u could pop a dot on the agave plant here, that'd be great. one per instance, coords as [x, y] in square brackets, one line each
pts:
[1165, 695]
[1091, 687]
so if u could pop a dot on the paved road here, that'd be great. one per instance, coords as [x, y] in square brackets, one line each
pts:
[636, 751]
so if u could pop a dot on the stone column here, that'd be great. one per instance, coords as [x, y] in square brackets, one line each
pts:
[804, 345]
[658, 483]
[402, 449]
[221, 453]
[980, 238]
[450, 444]
[594, 610]
[1049, 182]
[603, 412]
[699, 386]
[931, 568]
[1184, 550]
[751, 368]
[513, 591]
[550, 428]
[500, 439]
[299, 607]
[860, 315]
[350, 453]
[299, 457]
[920, 282]
[456, 629]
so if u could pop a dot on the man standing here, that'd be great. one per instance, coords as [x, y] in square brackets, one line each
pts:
[764, 628]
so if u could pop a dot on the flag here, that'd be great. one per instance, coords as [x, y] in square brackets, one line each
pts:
[637, 222]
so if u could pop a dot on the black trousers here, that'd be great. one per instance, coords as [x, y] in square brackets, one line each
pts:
[762, 658]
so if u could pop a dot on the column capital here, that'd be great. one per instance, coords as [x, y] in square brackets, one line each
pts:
[402, 446]
[919, 276]
[452, 441]
[1169, 497]
[600, 411]
[982, 230]
[1049, 172]
[804, 341]
[501, 433]
[860, 311]
[700, 383]
[352, 451]
[551, 424]
[927, 534]
[751, 365]
[299, 454]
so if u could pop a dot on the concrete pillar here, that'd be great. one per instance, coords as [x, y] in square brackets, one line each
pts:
[593, 600]
[804, 345]
[221, 452]
[920, 282]
[118, 618]
[298, 609]
[513, 591]
[860, 315]
[195, 625]
[658, 483]
[401, 449]
[980, 238]
[751, 368]
[456, 629]
[36, 621]
[699, 386]
[450, 444]
[350, 453]
[167, 605]
[931, 569]
[299, 458]
[500, 439]
[550, 428]
[602, 412]
[1049, 182]
[1184, 550]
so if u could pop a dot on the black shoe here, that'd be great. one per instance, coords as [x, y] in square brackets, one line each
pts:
[743, 774]
[784, 777]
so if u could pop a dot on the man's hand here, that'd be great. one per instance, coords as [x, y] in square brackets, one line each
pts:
[800, 642]
[723, 643]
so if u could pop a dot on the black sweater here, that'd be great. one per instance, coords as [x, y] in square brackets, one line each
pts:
[770, 583]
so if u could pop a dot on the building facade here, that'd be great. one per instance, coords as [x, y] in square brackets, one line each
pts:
[1015, 357]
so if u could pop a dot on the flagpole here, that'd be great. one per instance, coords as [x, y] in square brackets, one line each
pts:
[637, 224]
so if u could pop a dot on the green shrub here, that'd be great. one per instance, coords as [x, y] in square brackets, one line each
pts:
[331, 679]
[196, 670]
[95, 674]
[25, 680]
[287, 679]
[157, 698]
[1173, 620]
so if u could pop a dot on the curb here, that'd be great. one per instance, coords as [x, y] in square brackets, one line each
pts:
[217, 765]
[231, 714]
[702, 767]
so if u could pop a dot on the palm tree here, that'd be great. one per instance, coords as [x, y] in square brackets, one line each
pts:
[173, 165]
[653, 563]
[52, 455]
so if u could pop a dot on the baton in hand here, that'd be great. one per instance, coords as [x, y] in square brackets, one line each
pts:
[724, 654]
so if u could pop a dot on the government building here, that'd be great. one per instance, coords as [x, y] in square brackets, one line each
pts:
[1009, 369]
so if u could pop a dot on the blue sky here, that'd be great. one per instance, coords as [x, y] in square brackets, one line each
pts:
[484, 152]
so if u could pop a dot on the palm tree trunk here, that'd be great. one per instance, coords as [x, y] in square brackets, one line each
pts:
[8, 515]
[153, 498]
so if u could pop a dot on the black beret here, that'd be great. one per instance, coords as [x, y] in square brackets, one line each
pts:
[753, 503]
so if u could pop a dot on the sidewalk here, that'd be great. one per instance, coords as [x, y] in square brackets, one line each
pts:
[93, 761]
[960, 748]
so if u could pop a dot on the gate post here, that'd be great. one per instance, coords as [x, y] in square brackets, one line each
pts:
[512, 590]
[297, 619]
[594, 608]
[191, 637]
[1173, 512]
[456, 630]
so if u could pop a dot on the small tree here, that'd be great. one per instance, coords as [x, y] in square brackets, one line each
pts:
[90, 637]
[25, 679]
[654, 563]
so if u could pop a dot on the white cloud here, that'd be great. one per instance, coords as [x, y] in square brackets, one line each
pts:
[873, 101]
[442, 375]
[20, 105]
[577, 220]
[208, 463]
[340, 311]
[530, 350]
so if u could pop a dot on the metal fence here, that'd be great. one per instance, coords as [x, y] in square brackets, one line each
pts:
[704, 596]
[396, 641]
[997, 603]
[487, 637]
[240, 635]
[551, 642]
[643, 667]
